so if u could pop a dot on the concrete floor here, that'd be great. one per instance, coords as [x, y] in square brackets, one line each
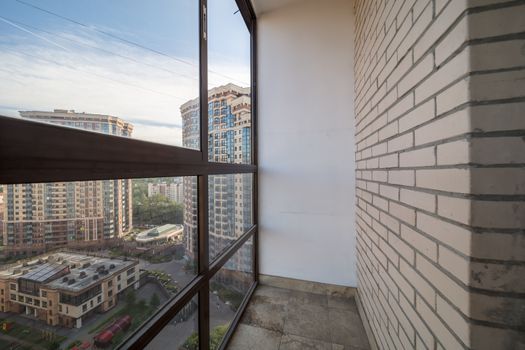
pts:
[284, 319]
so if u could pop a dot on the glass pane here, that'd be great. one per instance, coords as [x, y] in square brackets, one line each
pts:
[87, 262]
[229, 94]
[126, 68]
[229, 208]
[228, 288]
[182, 331]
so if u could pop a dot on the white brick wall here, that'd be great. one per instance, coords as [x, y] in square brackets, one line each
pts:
[440, 130]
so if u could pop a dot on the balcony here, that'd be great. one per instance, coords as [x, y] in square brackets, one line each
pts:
[378, 202]
[281, 318]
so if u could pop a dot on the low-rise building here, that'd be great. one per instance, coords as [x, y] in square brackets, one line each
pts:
[65, 288]
[161, 234]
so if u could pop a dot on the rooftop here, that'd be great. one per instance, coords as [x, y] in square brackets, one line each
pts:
[84, 270]
[160, 232]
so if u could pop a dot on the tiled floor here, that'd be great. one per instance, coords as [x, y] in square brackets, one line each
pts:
[284, 319]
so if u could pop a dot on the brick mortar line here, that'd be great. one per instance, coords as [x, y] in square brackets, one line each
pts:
[379, 291]
[360, 30]
[507, 231]
[492, 7]
[463, 136]
[423, 79]
[370, 303]
[470, 103]
[467, 105]
[469, 196]
[467, 318]
[380, 249]
[368, 328]
[464, 166]
[428, 51]
[401, 41]
[369, 258]
[422, 319]
[468, 289]
[397, 48]
[361, 48]
[415, 228]
[447, 31]
[410, 11]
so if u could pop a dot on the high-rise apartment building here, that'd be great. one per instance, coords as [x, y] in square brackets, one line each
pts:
[45, 215]
[229, 141]
[173, 191]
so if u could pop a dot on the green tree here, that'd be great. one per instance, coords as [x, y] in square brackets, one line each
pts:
[130, 297]
[55, 345]
[216, 336]
[155, 301]
[192, 342]
[157, 210]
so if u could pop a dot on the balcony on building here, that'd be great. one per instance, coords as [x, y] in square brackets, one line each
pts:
[262, 175]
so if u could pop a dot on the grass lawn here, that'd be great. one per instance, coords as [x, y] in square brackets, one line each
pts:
[139, 314]
[34, 335]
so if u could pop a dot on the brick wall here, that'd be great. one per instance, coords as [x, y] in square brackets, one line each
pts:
[440, 152]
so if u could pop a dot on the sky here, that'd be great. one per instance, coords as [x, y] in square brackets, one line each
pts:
[134, 59]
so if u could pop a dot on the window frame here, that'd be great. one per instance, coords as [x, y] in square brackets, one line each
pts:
[32, 152]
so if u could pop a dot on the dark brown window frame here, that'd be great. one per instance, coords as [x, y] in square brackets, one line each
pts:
[37, 152]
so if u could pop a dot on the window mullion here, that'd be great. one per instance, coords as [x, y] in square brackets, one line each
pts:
[204, 299]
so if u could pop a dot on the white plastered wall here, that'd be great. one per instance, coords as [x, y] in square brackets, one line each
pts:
[306, 142]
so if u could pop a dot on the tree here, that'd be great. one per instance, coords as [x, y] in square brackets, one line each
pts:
[216, 336]
[157, 210]
[141, 304]
[55, 345]
[192, 342]
[130, 297]
[155, 301]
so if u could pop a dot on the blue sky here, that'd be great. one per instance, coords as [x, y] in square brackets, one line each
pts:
[132, 58]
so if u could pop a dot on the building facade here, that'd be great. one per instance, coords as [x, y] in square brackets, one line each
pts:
[64, 289]
[46, 215]
[229, 141]
[172, 191]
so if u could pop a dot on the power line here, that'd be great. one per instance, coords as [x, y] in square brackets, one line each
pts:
[129, 42]
[96, 74]
[75, 68]
[5, 20]
[97, 48]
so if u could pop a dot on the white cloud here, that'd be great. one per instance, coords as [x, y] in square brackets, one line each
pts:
[67, 72]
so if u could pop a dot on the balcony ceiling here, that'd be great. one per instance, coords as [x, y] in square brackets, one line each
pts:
[262, 6]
